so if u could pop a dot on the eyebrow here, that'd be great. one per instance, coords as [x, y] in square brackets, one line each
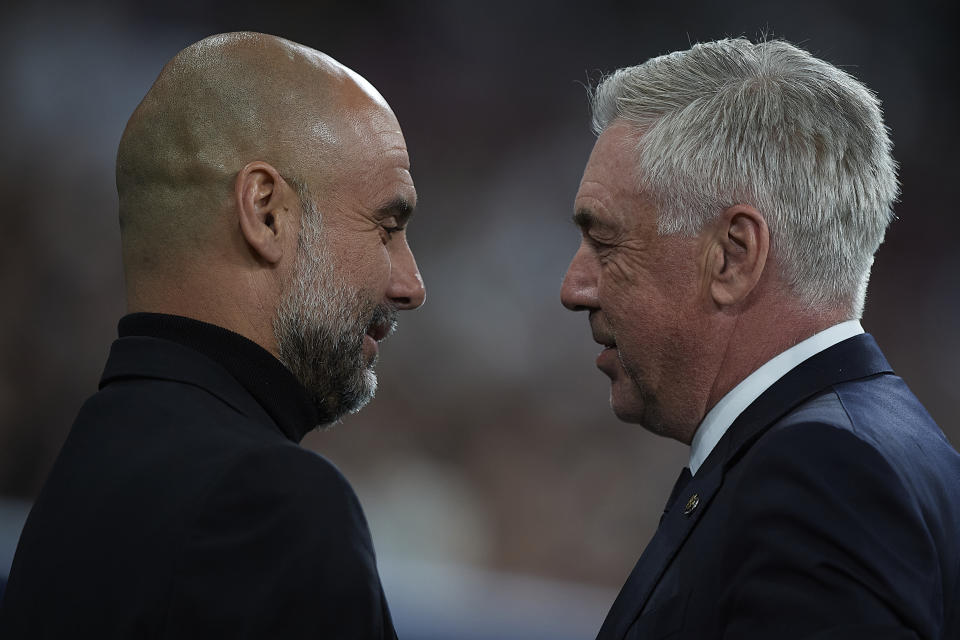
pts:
[586, 219]
[399, 207]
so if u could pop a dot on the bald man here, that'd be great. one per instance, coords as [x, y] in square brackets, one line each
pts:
[264, 194]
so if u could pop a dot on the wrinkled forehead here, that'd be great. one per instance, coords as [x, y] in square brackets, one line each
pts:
[372, 163]
[612, 167]
[378, 133]
[365, 127]
[615, 151]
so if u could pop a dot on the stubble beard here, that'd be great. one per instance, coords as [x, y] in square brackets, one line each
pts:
[319, 328]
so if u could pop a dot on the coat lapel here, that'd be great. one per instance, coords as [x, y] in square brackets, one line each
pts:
[854, 358]
[676, 525]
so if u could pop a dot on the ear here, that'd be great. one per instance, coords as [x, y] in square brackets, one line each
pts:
[740, 244]
[262, 198]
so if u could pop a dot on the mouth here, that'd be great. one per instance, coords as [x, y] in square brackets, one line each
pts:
[379, 331]
[601, 333]
[608, 356]
[604, 340]
[382, 324]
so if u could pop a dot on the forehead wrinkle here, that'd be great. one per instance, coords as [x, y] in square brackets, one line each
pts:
[401, 152]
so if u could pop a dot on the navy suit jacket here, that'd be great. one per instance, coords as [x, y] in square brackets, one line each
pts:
[830, 509]
[179, 509]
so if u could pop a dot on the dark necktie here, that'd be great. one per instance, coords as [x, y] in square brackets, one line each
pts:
[678, 487]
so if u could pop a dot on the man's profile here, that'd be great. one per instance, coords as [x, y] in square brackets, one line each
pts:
[264, 191]
[730, 212]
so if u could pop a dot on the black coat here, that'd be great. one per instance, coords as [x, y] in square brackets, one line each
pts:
[178, 508]
[830, 509]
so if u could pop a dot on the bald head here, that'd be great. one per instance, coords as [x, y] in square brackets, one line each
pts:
[218, 105]
[266, 188]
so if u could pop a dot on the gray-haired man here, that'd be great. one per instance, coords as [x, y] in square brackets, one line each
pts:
[730, 211]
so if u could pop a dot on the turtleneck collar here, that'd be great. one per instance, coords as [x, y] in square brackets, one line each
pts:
[255, 368]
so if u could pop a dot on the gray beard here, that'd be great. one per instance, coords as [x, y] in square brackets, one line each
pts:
[319, 328]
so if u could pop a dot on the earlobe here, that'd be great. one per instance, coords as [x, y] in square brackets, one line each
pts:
[261, 208]
[739, 255]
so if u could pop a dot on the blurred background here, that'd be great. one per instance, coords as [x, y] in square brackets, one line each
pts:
[504, 498]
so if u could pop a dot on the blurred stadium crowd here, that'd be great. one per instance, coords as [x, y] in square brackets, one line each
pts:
[489, 459]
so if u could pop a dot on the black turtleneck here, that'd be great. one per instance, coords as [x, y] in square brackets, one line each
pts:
[259, 372]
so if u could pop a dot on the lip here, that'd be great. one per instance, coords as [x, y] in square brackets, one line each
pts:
[600, 332]
[607, 359]
[371, 348]
[378, 332]
[604, 341]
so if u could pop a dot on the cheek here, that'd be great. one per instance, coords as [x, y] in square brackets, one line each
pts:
[628, 298]
[644, 319]
[638, 337]
[630, 283]
[371, 273]
[364, 263]
[619, 273]
[658, 299]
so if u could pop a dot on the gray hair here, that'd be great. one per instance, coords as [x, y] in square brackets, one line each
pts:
[732, 122]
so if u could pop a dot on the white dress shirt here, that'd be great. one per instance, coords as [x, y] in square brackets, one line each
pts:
[730, 406]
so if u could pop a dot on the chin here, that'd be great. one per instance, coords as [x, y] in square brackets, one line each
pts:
[631, 414]
[636, 408]
[627, 403]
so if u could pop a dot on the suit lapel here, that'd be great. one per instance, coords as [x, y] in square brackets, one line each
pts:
[854, 358]
[670, 536]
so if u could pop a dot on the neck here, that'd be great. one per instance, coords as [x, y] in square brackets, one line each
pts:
[211, 299]
[753, 340]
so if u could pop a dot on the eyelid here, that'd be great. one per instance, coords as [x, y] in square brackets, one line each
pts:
[595, 241]
[390, 230]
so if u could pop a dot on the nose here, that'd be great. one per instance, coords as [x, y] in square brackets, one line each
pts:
[579, 289]
[406, 290]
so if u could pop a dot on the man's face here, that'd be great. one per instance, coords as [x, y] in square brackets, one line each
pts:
[642, 291]
[354, 271]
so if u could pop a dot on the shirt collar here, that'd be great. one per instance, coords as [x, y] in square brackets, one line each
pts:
[256, 369]
[730, 406]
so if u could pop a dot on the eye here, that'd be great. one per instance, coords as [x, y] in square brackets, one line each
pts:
[390, 226]
[602, 250]
[596, 243]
